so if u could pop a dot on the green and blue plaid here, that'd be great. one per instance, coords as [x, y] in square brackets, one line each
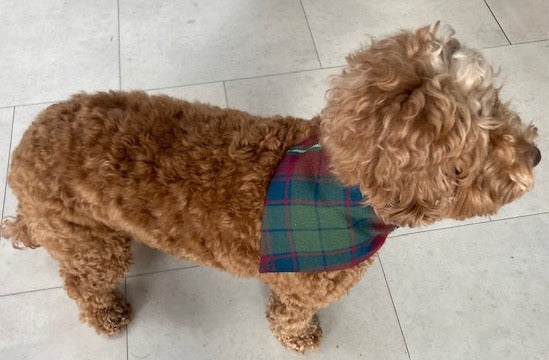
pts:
[313, 223]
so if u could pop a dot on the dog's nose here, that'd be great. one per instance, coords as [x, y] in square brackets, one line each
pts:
[537, 156]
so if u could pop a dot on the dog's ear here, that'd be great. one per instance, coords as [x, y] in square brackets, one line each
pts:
[427, 149]
[401, 130]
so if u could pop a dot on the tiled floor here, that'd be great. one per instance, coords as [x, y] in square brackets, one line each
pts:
[472, 290]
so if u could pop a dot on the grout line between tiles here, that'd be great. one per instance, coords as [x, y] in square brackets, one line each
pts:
[282, 73]
[125, 282]
[33, 103]
[496, 46]
[185, 85]
[119, 60]
[310, 32]
[500, 27]
[30, 291]
[443, 228]
[490, 220]
[226, 97]
[161, 271]
[127, 325]
[7, 168]
[520, 216]
[530, 41]
[196, 84]
[245, 78]
[514, 44]
[394, 307]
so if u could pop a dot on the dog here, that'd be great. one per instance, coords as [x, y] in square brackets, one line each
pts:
[414, 122]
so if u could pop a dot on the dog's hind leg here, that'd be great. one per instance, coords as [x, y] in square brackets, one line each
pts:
[92, 259]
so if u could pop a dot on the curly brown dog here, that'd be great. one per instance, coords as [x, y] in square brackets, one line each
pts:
[414, 120]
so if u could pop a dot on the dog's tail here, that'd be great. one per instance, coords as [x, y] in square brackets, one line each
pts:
[15, 229]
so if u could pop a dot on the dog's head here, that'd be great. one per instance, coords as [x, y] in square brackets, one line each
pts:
[416, 121]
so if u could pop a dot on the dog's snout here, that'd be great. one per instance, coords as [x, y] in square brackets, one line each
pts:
[537, 156]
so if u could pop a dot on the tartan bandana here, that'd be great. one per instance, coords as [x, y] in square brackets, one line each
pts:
[313, 223]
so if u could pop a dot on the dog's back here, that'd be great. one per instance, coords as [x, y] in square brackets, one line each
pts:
[187, 178]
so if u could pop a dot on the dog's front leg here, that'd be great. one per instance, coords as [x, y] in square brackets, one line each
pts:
[296, 297]
[294, 324]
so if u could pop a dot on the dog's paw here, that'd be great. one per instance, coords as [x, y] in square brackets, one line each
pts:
[109, 320]
[303, 343]
[306, 341]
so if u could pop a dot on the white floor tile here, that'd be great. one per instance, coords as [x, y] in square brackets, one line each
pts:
[24, 270]
[475, 292]
[525, 20]
[339, 27]
[199, 41]
[525, 77]
[213, 93]
[148, 260]
[466, 292]
[23, 117]
[53, 48]
[298, 94]
[208, 314]
[6, 117]
[45, 325]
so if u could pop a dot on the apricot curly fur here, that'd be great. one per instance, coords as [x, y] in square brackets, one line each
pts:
[414, 120]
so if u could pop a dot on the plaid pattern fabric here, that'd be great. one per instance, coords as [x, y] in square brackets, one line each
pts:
[313, 223]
